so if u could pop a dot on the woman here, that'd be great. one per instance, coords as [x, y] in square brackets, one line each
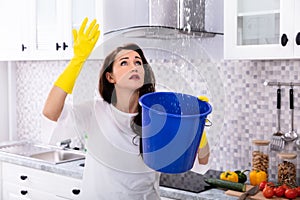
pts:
[114, 168]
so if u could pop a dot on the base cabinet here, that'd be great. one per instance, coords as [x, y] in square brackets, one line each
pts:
[16, 192]
[23, 183]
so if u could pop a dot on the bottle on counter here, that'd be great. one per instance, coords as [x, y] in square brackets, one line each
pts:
[260, 155]
[287, 163]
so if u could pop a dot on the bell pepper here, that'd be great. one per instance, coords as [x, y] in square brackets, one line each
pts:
[229, 176]
[241, 175]
[257, 176]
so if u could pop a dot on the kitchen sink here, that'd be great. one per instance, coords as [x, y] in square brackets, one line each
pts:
[58, 156]
[46, 153]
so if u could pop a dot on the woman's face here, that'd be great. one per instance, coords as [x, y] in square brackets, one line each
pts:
[128, 71]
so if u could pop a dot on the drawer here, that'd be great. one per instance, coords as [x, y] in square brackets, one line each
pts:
[15, 192]
[59, 185]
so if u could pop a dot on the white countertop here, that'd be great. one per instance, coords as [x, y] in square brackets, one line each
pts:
[74, 170]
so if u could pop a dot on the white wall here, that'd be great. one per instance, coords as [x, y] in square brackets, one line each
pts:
[4, 101]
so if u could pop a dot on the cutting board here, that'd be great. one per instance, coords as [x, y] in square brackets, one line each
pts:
[258, 196]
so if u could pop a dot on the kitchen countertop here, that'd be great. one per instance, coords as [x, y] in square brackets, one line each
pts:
[74, 170]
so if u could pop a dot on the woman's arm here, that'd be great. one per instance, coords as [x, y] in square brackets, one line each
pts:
[54, 103]
[84, 42]
[203, 150]
[203, 155]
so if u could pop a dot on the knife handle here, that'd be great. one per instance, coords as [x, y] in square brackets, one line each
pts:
[278, 98]
[291, 98]
[244, 196]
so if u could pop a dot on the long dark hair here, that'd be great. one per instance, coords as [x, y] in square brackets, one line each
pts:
[107, 89]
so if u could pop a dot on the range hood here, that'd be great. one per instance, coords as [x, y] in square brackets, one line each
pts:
[156, 19]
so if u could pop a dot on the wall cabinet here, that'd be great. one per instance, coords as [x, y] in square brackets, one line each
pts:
[19, 182]
[42, 30]
[255, 29]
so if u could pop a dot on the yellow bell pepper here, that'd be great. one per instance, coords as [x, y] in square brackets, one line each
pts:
[257, 176]
[229, 176]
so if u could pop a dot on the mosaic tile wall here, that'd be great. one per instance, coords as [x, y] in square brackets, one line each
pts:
[250, 106]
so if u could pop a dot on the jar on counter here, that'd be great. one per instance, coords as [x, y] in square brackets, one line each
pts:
[260, 155]
[287, 168]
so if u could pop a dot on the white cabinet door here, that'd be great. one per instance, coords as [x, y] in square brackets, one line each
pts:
[11, 14]
[297, 29]
[255, 29]
[51, 23]
[42, 30]
[50, 32]
[28, 182]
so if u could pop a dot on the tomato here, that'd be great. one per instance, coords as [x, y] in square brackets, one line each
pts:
[262, 185]
[268, 192]
[298, 190]
[285, 186]
[279, 191]
[271, 184]
[291, 193]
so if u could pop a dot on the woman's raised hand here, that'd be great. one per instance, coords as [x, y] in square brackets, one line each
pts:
[85, 39]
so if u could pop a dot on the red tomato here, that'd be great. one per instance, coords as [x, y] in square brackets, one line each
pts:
[298, 190]
[270, 184]
[291, 193]
[285, 186]
[268, 192]
[262, 185]
[279, 191]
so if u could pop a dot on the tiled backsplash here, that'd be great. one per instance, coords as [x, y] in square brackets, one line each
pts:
[250, 106]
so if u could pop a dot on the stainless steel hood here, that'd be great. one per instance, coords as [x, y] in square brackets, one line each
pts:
[156, 19]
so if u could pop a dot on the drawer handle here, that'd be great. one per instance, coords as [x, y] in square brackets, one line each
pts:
[284, 40]
[23, 47]
[57, 46]
[298, 39]
[23, 177]
[24, 192]
[76, 191]
[65, 46]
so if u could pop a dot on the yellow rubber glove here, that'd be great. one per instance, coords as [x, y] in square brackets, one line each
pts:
[203, 142]
[203, 98]
[203, 147]
[84, 42]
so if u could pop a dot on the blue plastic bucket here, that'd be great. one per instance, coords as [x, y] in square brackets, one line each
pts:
[172, 126]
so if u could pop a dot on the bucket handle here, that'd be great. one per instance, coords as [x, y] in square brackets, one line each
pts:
[208, 123]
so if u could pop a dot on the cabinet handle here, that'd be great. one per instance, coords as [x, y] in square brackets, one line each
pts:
[298, 38]
[284, 39]
[23, 177]
[23, 47]
[76, 191]
[65, 46]
[24, 192]
[57, 46]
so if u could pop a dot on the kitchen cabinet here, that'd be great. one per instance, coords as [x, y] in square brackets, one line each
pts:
[11, 21]
[19, 182]
[255, 29]
[42, 30]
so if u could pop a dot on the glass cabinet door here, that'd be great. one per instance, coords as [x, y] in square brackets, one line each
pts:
[297, 29]
[255, 29]
[258, 22]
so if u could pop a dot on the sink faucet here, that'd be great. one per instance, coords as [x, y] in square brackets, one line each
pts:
[65, 144]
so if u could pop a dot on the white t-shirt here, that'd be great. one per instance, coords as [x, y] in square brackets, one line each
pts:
[114, 168]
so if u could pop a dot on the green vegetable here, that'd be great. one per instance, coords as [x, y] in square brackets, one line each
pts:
[242, 176]
[226, 184]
